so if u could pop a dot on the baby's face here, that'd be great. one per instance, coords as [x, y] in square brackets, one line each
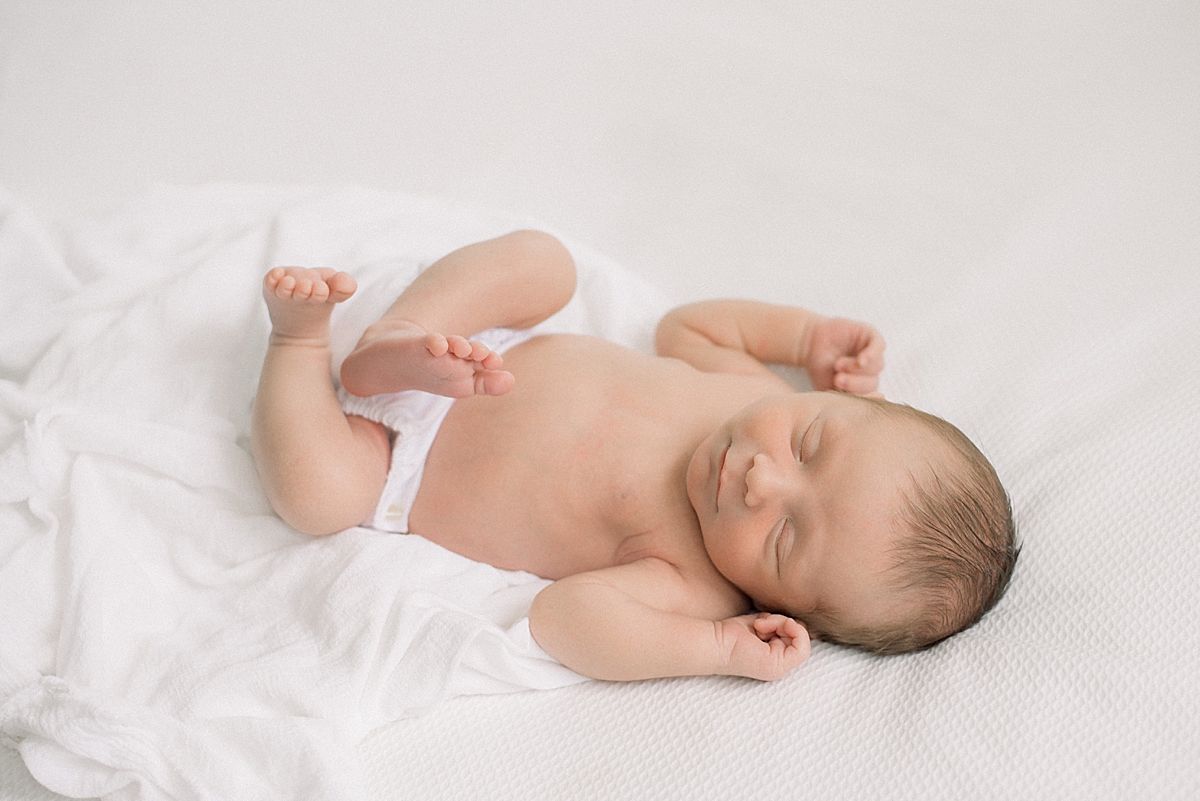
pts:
[796, 497]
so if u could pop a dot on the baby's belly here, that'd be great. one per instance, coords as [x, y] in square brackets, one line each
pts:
[560, 474]
[519, 481]
[502, 508]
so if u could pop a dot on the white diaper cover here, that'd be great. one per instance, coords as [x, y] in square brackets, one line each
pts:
[414, 417]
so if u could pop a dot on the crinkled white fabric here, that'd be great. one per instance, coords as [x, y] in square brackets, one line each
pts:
[414, 417]
[163, 635]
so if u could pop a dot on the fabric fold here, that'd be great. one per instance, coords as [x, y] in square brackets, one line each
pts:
[162, 633]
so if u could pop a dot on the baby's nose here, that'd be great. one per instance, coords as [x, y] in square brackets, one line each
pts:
[762, 480]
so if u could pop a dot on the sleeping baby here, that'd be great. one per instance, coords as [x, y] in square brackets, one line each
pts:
[695, 514]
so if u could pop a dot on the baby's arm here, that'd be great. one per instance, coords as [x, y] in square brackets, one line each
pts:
[515, 281]
[740, 336]
[623, 624]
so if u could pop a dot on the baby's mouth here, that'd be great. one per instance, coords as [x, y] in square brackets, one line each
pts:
[721, 476]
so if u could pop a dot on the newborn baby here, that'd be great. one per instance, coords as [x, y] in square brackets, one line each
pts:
[695, 513]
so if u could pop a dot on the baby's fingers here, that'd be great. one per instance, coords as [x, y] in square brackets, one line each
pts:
[768, 625]
[852, 364]
[785, 636]
[869, 360]
[856, 384]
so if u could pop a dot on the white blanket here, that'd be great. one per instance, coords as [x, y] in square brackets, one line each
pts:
[162, 633]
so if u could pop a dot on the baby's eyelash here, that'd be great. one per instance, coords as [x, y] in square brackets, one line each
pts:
[800, 445]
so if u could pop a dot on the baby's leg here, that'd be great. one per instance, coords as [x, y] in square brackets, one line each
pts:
[397, 355]
[516, 280]
[323, 470]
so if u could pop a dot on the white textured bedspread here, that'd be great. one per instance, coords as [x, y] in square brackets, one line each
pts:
[1072, 355]
[164, 635]
[161, 631]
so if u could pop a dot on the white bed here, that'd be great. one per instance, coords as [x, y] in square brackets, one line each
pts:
[1011, 195]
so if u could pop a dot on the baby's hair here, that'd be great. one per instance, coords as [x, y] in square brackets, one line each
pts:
[957, 546]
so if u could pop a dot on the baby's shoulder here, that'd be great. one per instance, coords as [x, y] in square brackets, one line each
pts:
[687, 589]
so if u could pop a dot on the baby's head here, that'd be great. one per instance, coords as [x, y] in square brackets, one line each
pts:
[954, 549]
[877, 525]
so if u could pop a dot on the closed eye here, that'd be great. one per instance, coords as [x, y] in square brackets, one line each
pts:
[810, 440]
[801, 449]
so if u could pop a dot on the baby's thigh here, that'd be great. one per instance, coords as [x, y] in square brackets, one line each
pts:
[375, 443]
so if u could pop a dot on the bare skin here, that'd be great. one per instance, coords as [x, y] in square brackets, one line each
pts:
[294, 390]
[402, 354]
[664, 495]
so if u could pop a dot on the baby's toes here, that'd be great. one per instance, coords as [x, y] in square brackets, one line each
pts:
[437, 345]
[271, 279]
[480, 353]
[493, 382]
[320, 292]
[459, 346]
[341, 286]
[493, 361]
[304, 289]
[285, 287]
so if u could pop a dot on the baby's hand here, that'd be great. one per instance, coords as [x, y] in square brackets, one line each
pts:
[844, 354]
[762, 646]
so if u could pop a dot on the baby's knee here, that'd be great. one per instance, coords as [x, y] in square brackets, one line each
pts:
[319, 514]
[539, 247]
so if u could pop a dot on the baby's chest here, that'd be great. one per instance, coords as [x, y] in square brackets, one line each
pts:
[554, 494]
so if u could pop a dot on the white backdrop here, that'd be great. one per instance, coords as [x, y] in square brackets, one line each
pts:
[759, 148]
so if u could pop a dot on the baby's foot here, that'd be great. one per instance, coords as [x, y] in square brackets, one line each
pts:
[398, 355]
[300, 301]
